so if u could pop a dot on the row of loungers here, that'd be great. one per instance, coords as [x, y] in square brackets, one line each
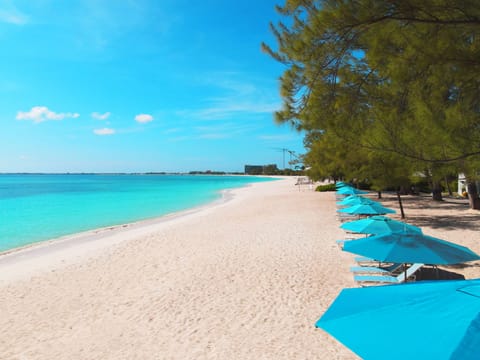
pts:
[370, 271]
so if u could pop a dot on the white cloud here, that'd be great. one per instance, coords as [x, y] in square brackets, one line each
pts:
[242, 94]
[105, 23]
[227, 108]
[40, 114]
[104, 131]
[143, 118]
[99, 116]
[224, 130]
[12, 15]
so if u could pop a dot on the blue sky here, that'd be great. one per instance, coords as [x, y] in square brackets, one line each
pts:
[138, 85]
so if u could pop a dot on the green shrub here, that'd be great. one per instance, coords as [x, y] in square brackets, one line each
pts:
[329, 187]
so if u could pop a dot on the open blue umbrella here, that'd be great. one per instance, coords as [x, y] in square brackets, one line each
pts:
[378, 225]
[348, 190]
[367, 209]
[410, 247]
[424, 320]
[355, 200]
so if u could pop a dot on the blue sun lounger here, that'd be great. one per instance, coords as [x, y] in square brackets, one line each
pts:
[364, 280]
[366, 260]
[386, 270]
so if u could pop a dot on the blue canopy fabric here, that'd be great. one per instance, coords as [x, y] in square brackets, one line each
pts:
[367, 209]
[378, 225]
[348, 190]
[410, 247]
[355, 200]
[340, 184]
[423, 320]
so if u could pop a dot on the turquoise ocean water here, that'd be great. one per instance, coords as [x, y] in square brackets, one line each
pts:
[34, 208]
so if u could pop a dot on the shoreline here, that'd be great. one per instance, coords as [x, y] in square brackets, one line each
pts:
[219, 197]
[57, 252]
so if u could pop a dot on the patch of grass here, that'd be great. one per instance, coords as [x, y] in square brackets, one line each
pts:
[329, 187]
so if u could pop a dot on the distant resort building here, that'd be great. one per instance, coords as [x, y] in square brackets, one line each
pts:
[462, 184]
[261, 169]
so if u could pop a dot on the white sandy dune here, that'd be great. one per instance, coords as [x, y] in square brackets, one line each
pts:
[243, 279]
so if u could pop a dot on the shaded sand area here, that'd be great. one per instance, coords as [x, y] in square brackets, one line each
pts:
[242, 279]
[450, 219]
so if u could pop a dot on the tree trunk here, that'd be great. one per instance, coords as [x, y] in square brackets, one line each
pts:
[379, 194]
[473, 198]
[400, 204]
[436, 191]
[448, 187]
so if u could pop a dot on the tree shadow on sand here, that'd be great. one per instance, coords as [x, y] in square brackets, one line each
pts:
[452, 213]
[445, 222]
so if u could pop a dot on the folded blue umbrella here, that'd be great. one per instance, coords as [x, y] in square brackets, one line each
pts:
[378, 225]
[424, 320]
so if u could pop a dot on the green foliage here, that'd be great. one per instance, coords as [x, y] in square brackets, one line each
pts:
[328, 187]
[383, 89]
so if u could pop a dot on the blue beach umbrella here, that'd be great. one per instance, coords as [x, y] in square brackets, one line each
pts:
[425, 320]
[410, 247]
[355, 200]
[348, 190]
[378, 225]
[367, 209]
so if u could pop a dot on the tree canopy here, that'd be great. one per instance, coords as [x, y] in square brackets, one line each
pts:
[383, 89]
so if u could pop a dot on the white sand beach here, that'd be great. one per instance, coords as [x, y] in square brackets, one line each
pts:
[242, 279]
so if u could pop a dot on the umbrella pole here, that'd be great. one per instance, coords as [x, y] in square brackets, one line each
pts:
[400, 204]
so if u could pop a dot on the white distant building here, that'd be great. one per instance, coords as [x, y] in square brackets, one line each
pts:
[462, 184]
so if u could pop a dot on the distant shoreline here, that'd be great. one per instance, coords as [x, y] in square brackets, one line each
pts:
[50, 251]
[102, 237]
[130, 173]
[168, 203]
[225, 195]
